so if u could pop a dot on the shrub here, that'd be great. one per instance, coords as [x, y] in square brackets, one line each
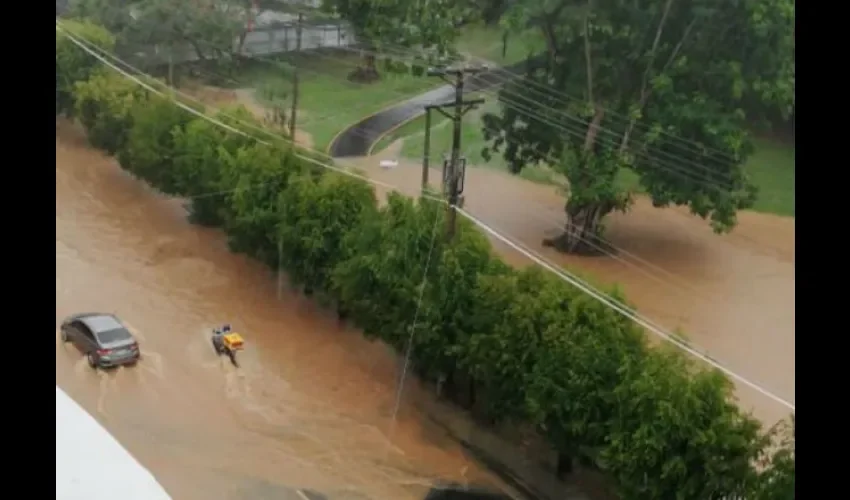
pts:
[529, 346]
[150, 149]
[776, 477]
[104, 104]
[315, 216]
[73, 64]
[676, 434]
[256, 175]
[198, 167]
[378, 281]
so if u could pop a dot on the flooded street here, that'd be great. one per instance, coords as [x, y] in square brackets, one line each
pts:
[310, 406]
[732, 295]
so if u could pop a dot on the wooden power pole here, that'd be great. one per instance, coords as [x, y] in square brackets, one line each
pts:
[454, 169]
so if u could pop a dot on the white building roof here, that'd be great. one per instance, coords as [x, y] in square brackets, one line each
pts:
[91, 464]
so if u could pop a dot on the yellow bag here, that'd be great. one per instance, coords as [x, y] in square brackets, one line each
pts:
[233, 341]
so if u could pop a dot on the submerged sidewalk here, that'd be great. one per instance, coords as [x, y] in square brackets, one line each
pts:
[532, 478]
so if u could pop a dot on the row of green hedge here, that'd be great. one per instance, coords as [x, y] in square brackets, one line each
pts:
[530, 347]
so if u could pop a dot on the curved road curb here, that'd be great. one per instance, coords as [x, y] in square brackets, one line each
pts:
[358, 139]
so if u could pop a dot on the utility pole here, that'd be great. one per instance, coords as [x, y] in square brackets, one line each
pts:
[454, 170]
[426, 157]
[293, 113]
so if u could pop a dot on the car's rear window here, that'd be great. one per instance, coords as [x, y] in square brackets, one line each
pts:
[116, 335]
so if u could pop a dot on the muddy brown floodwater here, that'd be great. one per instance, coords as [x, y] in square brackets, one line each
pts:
[732, 295]
[310, 406]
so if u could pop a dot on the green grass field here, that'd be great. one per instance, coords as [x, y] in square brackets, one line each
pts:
[328, 101]
[771, 167]
[472, 142]
[486, 42]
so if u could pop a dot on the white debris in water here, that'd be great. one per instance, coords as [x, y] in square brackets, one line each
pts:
[389, 163]
[91, 464]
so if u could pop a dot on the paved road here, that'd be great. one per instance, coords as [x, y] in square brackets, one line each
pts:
[358, 138]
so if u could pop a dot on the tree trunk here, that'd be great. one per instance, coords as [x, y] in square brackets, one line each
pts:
[371, 69]
[367, 73]
[582, 230]
[584, 219]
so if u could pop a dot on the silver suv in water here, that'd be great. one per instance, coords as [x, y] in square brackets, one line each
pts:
[102, 338]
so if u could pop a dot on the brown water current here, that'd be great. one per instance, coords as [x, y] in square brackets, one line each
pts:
[732, 295]
[308, 408]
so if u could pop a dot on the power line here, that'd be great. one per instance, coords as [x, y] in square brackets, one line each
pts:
[563, 274]
[359, 132]
[189, 97]
[511, 100]
[289, 67]
[574, 132]
[601, 297]
[419, 300]
[580, 134]
[629, 259]
[702, 176]
[218, 122]
[621, 255]
[564, 97]
[638, 151]
[454, 170]
[549, 92]
[554, 161]
[710, 182]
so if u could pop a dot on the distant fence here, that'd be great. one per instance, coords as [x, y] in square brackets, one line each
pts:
[260, 42]
[284, 39]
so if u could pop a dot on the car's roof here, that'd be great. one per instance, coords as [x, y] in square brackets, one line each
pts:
[97, 322]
